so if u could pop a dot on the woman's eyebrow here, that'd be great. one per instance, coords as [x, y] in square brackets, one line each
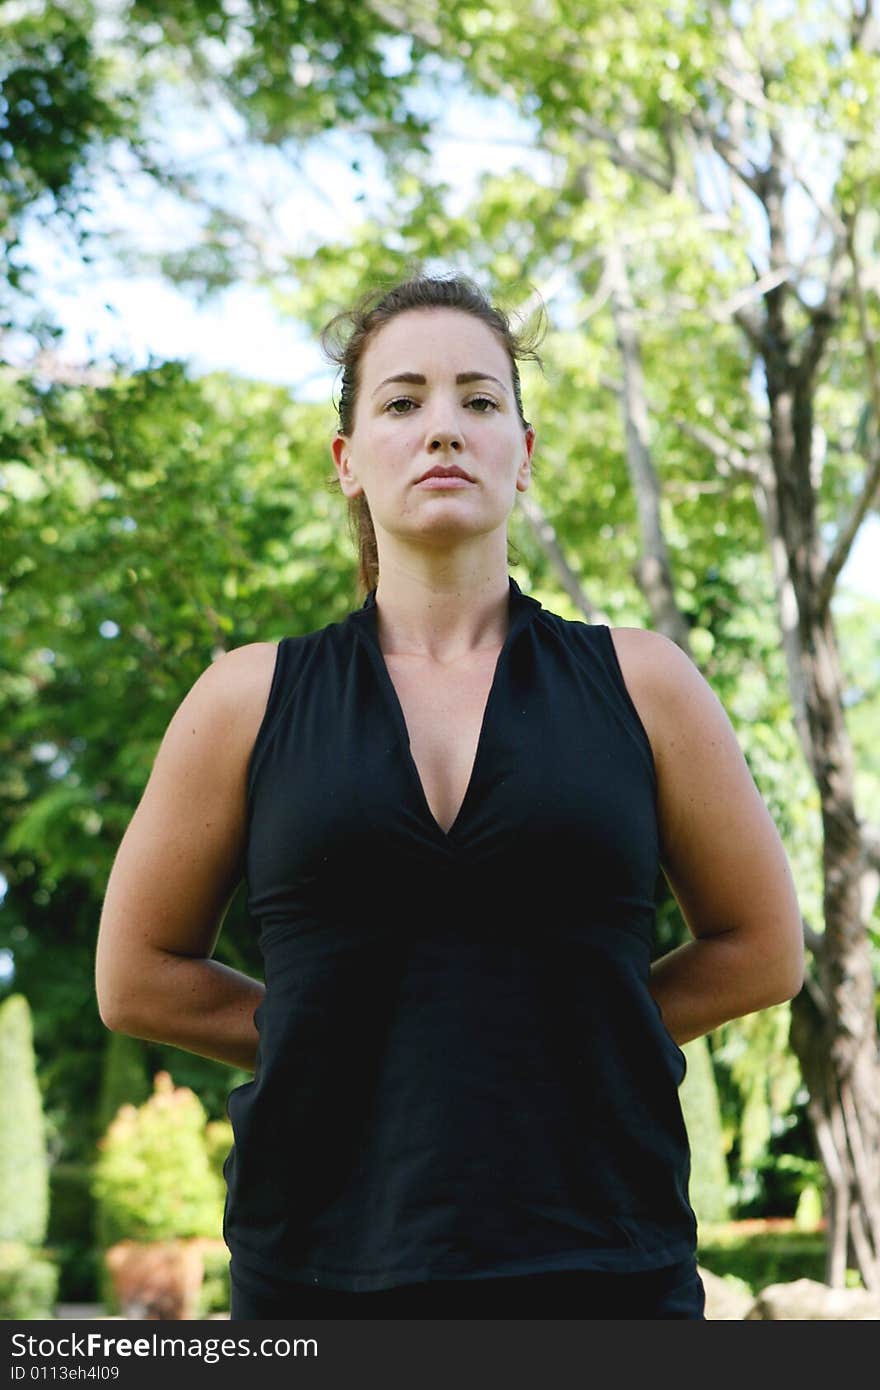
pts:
[416, 379]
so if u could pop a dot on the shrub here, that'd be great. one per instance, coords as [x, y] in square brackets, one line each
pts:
[708, 1189]
[28, 1282]
[218, 1136]
[215, 1287]
[24, 1165]
[153, 1178]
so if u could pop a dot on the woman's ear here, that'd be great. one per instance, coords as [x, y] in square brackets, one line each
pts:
[340, 449]
[524, 472]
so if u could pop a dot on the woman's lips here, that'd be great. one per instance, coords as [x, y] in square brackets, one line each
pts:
[452, 481]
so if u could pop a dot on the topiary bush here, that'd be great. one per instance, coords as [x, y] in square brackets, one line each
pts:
[28, 1275]
[709, 1183]
[153, 1178]
[24, 1164]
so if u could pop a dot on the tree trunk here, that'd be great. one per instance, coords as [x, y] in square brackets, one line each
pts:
[653, 571]
[833, 1029]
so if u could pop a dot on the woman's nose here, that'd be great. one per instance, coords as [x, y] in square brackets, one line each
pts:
[440, 439]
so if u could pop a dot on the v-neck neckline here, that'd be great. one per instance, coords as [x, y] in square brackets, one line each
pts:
[522, 607]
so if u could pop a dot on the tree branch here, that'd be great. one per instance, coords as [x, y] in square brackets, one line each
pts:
[824, 316]
[779, 276]
[751, 324]
[729, 457]
[870, 492]
[653, 571]
[871, 845]
[862, 26]
[868, 497]
[549, 543]
[727, 151]
[813, 940]
[623, 157]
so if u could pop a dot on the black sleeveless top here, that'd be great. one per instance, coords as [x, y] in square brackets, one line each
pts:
[461, 1071]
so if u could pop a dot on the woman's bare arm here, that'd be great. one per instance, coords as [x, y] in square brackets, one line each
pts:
[720, 852]
[177, 868]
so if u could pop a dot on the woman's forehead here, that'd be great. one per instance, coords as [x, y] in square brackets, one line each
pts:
[436, 339]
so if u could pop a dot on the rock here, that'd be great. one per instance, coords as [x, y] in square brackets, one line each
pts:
[728, 1299]
[805, 1300]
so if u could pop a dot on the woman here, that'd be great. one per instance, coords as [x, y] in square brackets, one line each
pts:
[450, 809]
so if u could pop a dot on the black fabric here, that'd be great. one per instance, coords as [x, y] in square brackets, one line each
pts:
[672, 1292]
[461, 1070]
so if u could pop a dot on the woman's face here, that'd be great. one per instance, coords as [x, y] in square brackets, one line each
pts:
[404, 428]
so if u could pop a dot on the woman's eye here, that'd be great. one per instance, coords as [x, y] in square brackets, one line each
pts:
[407, 400]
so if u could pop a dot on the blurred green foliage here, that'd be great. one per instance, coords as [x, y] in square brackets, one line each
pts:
[153, 1178]
[24, 1166]
[763, 1258]
[28, 1282]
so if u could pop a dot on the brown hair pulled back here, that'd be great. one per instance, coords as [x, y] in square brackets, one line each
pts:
[364, 319]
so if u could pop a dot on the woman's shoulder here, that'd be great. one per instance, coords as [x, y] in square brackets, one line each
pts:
[640, 647]
[239, 681]
[244, 675]
[654, 658]
[248, 664]
[648, 662]
[670, 692]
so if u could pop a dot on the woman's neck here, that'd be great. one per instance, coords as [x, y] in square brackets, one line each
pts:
[441, 617]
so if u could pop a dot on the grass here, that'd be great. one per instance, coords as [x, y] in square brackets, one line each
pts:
[762, 1252]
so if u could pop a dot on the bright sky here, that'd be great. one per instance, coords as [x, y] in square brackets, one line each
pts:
[105, 313]
[108, 315]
